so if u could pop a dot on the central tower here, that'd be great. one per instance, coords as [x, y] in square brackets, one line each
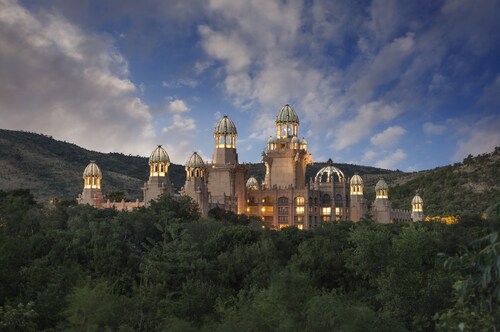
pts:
[286, 157]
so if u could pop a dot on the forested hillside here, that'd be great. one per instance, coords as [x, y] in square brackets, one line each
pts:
[51, 168]
[164, 269]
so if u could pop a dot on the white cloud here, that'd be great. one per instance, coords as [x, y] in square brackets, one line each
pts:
[392, 160]
[369, 155]
[180, 137]
[482, 137]
[62, 81]
[433, 129]
[369, 115]
[389, 137]
[177, 106]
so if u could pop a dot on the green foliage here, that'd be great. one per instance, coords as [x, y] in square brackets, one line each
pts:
[164, 268]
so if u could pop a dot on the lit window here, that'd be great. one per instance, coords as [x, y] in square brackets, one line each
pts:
[299, 200]
[326, 211]
[299, 210]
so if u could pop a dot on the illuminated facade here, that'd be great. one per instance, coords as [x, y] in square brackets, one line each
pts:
[284, 198]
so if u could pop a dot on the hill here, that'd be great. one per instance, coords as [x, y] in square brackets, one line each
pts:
[51, 168]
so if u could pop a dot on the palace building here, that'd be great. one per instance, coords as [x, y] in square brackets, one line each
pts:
[283, 198]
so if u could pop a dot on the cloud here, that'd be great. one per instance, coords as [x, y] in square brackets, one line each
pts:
[482, 137]
[62, 81]
[177, 106]
[179, 137]
[352, 131]
[179, 83]
[388, 137]
[433, 129]
[390, 161]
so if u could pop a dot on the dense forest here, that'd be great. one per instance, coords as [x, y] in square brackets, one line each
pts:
[164, 268]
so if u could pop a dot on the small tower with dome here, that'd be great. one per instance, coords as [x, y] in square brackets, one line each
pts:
[159, 182]
[358, 201]
[196, 183]
[381, 207]
[417, 208]
[286, 157]
[92, 194]
[225, 176]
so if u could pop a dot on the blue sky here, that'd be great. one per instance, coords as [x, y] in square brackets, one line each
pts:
[404, 85]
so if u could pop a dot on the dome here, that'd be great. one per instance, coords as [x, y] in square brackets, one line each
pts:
[92, 170]
[270, 140]
[287, 114]
[356, 179]
[295, 139]
[381, 185]
[195, 161]
[159, 155]
[252, 183]
[417, 200]
[225, 127]
[303, 141]
[329, 171]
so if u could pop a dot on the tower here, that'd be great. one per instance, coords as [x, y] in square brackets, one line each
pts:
[417, 208]
[92, 193]
[358, 202]
[381, 206]
[195, 185]
[226, 177]
[286, 157]
[159, 182]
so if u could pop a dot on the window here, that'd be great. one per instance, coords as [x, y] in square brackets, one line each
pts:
[267, 200]
[299, 210]
[338, 200]
[299, 200]
[282, 201]
[283, 219]
[299, 219]
[282, 209]
[326, 199]
[251, 200]
[326, 211]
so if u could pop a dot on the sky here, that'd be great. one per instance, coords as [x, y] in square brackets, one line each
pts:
[406, 85]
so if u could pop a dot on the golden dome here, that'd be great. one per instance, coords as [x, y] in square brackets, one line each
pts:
[92, 170]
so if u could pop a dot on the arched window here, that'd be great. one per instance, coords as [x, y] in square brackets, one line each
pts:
[299, 200]
[326, 199]
[338, 200]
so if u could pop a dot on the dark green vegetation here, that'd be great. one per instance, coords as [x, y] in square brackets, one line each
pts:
[162, 268]
[51, 168]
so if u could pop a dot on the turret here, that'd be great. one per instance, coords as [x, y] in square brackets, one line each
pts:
[417, 208]
[381, 206]
[196, 184]
[225, 142]
[358, 202]
[159, 182]
[92, 193]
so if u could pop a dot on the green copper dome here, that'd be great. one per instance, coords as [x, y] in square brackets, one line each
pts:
[159, 155]
[287, 115]
[381, 184]
[195, 161]
[225, 127]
